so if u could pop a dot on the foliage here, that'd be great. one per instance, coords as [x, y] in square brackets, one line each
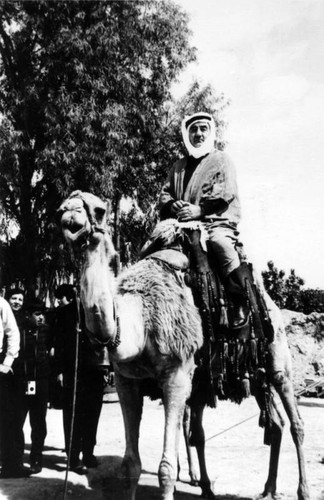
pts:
[274, 283]
[135, 228]
[293, 288]
[83, 87]
[312, 300]
[288, 293]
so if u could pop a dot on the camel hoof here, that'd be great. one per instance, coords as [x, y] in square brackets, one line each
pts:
[207, 494]
[269, 496]
[194, 482]
[303, 493]
[206, 491]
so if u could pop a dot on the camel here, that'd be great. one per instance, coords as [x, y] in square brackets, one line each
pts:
[150, 325]
[139, 321]
[275, 377]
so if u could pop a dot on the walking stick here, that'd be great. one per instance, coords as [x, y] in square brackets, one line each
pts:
[75, 380]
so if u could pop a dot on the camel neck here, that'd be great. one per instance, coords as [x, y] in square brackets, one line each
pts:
[97, 284]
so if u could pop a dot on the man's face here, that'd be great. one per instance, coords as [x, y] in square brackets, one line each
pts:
[16, 301]
[38, 318]
[198, 133]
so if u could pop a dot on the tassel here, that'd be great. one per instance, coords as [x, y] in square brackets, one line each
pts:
[220, 387]
[246, 389]
[267, 437]
[225, 350]
[223, 318]
[212, 399]
[260, 377]
[225, 359]
[254, 350]
[262, 419]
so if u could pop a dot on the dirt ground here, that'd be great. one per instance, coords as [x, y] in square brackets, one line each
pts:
[237, 460]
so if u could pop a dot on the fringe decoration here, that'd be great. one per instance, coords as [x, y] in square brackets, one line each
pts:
[246, 389]
[260, 377]
[212, 398]
[254, 350]
[223, 318]
[220, 387]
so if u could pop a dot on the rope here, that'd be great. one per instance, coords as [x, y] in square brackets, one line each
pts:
[299, 393]
[77, 330]
[231, 427]
[319, 382]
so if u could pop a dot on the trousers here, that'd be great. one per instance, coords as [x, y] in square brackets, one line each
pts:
[89, 398]
[222, 245]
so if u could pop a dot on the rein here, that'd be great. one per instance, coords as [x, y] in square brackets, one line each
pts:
[85, 234]
[94, 229]
[75, 381]
[111, 343]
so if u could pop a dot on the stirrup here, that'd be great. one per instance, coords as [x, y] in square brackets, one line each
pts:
[240, 319]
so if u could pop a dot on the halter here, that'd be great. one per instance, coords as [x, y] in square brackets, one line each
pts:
[113, 342]
[84, 236]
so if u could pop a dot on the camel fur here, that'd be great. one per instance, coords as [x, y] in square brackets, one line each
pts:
[150, 324]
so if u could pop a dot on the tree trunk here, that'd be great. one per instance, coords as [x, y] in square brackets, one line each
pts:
[28, 225]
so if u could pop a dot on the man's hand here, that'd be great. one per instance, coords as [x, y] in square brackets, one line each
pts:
[176, 206]
[5, 369]
[188, 212]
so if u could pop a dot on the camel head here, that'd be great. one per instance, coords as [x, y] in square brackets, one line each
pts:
[83, 219]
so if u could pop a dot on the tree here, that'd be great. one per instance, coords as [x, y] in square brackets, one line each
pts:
[82, 92]
[275, 284]
[285, 292]
[288, 293]
[312, 300]
[293, 290]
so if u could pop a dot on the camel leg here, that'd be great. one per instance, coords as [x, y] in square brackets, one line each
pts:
[131, 404]
[175, 392]
[274, 436]
[284, 387]
[194, 481]
[197, 439]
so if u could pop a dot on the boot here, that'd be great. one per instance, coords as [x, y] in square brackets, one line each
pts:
[235, 286]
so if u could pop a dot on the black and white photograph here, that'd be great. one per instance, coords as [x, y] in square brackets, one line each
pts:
[161, 249]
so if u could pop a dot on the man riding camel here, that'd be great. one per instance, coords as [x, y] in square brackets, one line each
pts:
[202, 186]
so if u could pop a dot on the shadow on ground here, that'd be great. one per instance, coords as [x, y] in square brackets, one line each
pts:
[111, 485]
[102, 483]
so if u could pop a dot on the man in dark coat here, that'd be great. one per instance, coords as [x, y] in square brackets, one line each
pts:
[91, 376]
[31, 377]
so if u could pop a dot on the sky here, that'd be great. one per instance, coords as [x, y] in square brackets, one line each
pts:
[267, 58]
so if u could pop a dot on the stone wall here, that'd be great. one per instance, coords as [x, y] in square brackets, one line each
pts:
[306, 341]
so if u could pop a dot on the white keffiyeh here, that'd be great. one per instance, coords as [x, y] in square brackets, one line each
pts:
[209, 143]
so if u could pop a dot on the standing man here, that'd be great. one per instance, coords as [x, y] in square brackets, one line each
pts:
[202, 186]
[31, 375]
[12, 466]
[91, 377]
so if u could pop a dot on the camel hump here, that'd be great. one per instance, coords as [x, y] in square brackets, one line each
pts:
[174, 258]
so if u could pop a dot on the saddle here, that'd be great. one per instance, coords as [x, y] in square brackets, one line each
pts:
[232, 362]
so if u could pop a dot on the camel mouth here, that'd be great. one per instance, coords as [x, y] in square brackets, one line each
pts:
[74, 227]
[76, 234]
